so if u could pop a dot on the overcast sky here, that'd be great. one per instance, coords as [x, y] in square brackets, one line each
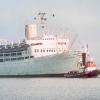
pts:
[79, 16]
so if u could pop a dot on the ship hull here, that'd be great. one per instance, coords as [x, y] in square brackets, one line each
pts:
[91, 74]
[43, 66]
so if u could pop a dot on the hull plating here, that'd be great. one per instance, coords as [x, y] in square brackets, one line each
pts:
[55, 64]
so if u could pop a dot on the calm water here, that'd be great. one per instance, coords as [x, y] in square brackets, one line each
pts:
[49, 89]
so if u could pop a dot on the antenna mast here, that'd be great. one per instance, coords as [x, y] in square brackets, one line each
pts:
[43, 20]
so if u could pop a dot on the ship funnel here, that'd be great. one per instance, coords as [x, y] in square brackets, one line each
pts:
[30, 31]
[84, 55]
[84, 59]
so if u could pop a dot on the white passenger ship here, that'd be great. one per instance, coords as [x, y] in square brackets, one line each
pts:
[48, 54]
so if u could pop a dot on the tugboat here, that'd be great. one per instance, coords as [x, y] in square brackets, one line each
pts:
[86, 67]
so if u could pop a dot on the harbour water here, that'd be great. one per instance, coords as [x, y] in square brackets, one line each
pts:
[49, 89]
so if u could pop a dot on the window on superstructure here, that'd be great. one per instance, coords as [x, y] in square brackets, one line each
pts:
[13, 58]
[19, 53]
[36, 50]
[6, 54]
[1, 60]
[13, 54]
[41, 50]
[1, 54]
[27, 57]
[49, 50]
[7, 59]
[31, 56]
[20, 58]
[52, 50]
[62, 43]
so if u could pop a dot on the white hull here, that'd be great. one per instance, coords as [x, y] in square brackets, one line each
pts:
[55, 64]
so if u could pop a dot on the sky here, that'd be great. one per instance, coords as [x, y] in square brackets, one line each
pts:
[80, 17]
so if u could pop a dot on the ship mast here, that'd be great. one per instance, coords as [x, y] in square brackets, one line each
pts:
[43, 19]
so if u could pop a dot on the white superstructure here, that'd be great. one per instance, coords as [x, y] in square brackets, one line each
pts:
[48, 45]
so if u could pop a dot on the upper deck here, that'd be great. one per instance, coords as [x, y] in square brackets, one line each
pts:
[13, 48]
